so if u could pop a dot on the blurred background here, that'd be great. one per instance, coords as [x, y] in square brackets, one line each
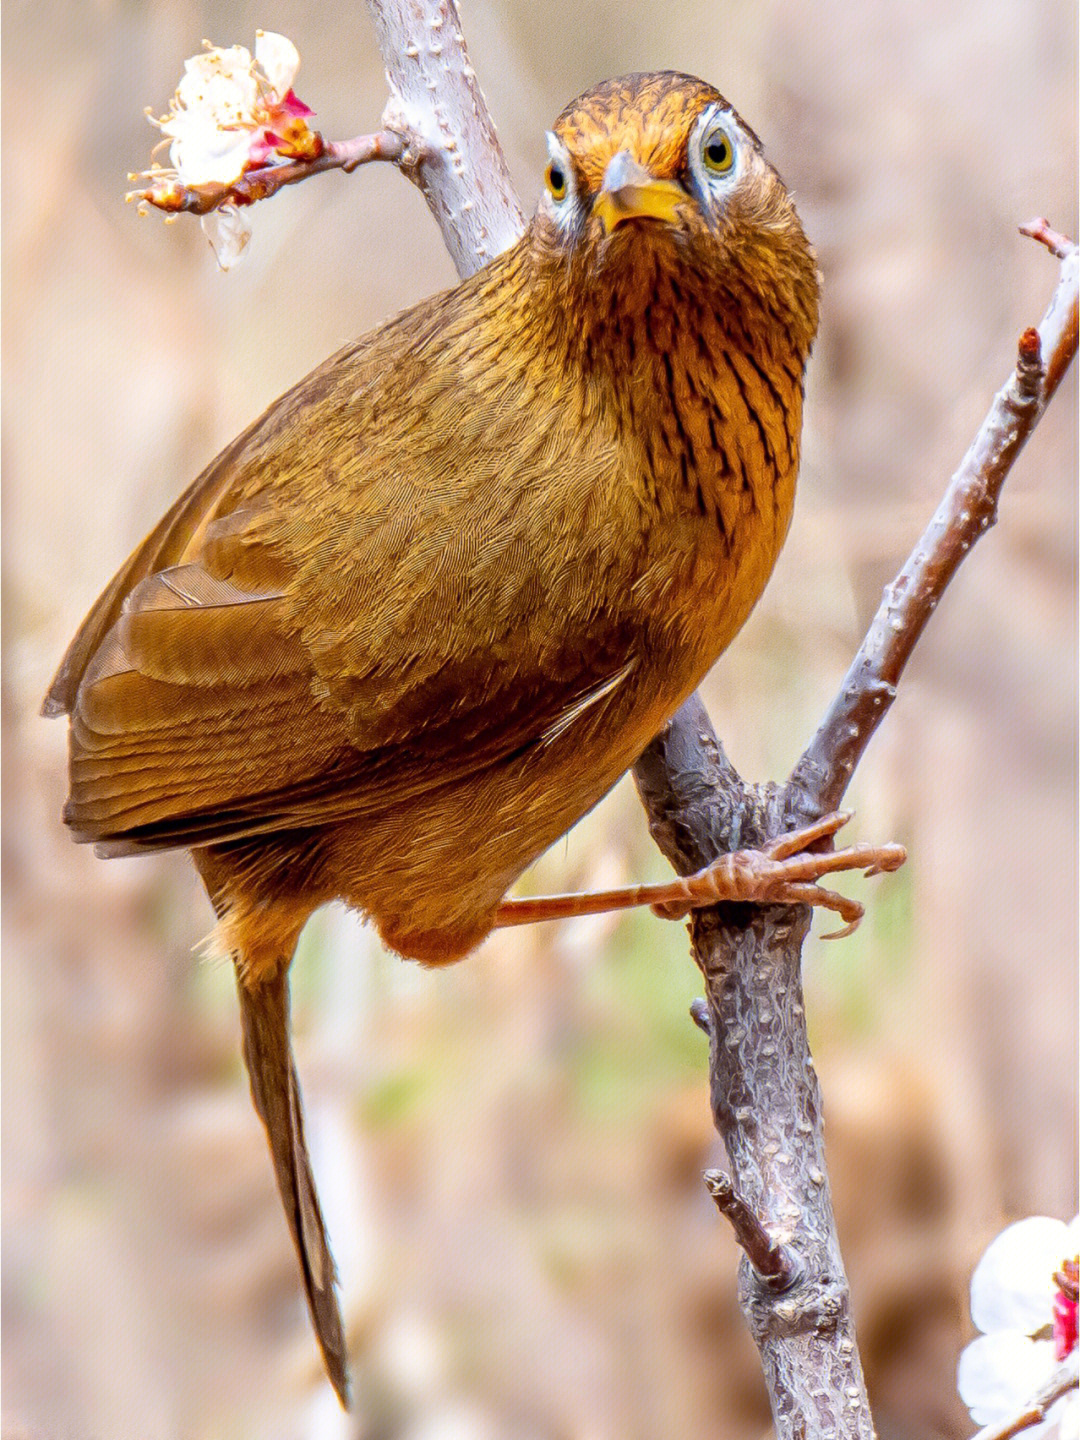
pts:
[510, 1151]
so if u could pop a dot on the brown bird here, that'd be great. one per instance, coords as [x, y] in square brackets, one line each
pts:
[425, 611]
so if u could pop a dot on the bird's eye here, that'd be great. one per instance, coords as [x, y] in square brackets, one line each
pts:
[717, 152]
[555, 176]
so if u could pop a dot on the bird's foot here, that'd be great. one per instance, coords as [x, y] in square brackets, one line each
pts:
[783, 871]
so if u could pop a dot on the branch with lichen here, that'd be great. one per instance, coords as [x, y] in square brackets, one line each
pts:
[765, 1097]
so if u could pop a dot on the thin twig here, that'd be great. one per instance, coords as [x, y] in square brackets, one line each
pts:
[1040, 229]
[266, 180]
[966, 512]
[775, 1265]
[1064, 1379]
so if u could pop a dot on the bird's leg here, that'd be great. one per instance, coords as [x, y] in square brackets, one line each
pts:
[780, 872]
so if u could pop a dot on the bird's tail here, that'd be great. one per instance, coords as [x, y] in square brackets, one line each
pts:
[264, 1009]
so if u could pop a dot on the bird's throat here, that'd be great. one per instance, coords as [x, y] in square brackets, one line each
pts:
[705, 383]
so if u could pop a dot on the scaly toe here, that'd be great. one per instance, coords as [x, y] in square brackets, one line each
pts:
[807, 894]
[796, 841]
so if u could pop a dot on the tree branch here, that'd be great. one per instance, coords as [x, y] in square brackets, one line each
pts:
[266, 180]
[453, 153]
[775, 1265]
[765, 1097]
[966, 512]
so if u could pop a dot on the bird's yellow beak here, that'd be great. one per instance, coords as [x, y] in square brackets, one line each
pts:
[629, 192]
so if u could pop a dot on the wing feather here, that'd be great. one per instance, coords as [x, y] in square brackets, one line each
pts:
[162, 548]
[317, 630]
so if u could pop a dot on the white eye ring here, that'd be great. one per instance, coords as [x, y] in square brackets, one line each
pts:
[717, 129]
[559, 186]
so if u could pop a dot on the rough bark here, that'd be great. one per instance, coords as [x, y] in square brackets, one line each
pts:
[765, 1097]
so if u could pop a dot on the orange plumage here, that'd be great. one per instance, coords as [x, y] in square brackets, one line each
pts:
[426, 610]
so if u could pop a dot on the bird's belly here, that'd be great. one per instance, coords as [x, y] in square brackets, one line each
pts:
[431, 872]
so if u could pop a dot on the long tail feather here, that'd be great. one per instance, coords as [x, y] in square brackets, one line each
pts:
[264, 1009]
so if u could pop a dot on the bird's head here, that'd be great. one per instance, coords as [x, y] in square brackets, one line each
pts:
[659, 167]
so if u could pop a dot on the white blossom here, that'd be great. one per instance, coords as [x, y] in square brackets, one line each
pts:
[231, 112]
[278, 59]
[1013, 1294]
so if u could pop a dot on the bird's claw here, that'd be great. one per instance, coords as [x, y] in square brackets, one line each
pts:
[785, 871]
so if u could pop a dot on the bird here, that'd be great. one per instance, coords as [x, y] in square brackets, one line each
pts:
[423, 613]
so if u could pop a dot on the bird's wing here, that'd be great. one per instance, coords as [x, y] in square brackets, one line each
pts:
[341, 614]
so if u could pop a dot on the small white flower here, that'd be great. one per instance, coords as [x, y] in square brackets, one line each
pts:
[231, 112]
[230, 115]
[219, 83]
[202, 154]
[1013, 1294]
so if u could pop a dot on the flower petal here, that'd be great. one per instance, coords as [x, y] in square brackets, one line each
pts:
[278, 59]
[999, 1374]
[1065, 1325]
[1013, 1284]
[202, 154]
[221, 84]
[293, 105]
[263, 144]
[228, 232]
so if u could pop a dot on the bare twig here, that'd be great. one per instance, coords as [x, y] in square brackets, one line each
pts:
[1040, 229]
[966, 512]
[1064, 1379]
[266, 180]
[775, 1265]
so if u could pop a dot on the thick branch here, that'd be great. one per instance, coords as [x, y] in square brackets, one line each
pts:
[765, 1097]
[453, 153]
